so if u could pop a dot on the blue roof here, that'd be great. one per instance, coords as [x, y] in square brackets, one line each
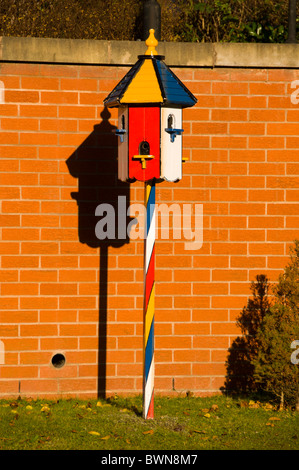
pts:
[173, 92]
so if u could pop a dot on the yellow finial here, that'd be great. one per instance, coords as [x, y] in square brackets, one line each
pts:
[151, 43]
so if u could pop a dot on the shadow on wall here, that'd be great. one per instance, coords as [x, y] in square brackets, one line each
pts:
[94, 163]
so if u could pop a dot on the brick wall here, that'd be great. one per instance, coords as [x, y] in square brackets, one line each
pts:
[64, 291]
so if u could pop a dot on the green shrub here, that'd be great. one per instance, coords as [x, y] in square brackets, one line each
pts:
[273, 368]
[260, 359]
[244, 348]
[233, 21]
[182, 20]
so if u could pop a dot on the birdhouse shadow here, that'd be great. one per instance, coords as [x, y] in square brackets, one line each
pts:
[94, 164]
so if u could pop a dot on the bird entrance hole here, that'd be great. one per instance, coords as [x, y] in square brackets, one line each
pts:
[170, 121]
[144, 148]
[58, 360]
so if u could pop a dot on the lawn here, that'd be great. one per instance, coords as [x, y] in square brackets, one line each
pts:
[189, 423]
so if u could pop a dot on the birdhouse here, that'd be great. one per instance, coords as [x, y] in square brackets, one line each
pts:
[150, 99]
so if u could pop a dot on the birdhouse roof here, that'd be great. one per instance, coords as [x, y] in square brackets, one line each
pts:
[150, 81]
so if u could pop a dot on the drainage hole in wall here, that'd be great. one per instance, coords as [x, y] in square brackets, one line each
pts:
[58, 360]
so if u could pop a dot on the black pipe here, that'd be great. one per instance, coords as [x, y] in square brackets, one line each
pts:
[151, 19]
[292, 22]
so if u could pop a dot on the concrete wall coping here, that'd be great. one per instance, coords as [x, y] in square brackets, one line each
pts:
[124, 53]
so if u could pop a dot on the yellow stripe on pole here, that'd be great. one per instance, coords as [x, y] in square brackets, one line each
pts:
[149, 314]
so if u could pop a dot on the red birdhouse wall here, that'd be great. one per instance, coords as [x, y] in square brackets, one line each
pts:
[144, 143]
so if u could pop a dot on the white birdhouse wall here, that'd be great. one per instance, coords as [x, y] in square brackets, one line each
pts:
[171, 144]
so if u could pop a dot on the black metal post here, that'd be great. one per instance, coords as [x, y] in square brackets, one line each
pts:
[292, 22]
[151, 19]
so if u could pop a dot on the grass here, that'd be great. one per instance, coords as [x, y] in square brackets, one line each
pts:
[189, 423]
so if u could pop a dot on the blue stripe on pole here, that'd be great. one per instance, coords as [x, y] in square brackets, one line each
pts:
[150, 208]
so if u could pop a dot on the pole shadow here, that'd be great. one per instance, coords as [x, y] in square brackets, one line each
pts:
[94, 164]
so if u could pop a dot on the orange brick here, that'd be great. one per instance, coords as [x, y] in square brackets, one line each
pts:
[265, 142]
[9, 248]
[209, 369]
[19, 69]
[11, 372]
[248, 261]
[57, 343]
[19, 124]
[19, 289]
[20, 96]
[88, 84]
[38, 138]
[229, 248]
[247, 209]
[9, 138]
[69, 125]
[44, 275]
[283, 182]
[292, 195]
[279, 235]
[21, 344]
[248, 128]
[78, 112]
[59, 97]
[247, 102]
[39, 330]
[283, 209]
[38, 110]
[266, 249]
[282, 129]
[49, 316]
[72, 302]
[282, 155]
[58, 289]
[40, 83]
[292, 222]
[20, 234]
[209, 128]
[75, 385]
[266, 195]
[8, 109]
[292, 169]
[267, 115]
[228, 115]
[229, 88]
[265, 222]
[229, 142]
[78, 330]
[8, 275]
[229, 275]
[39, 387]
[38, 302]
[247, 181]
[20, 261]
[248, 235]
[267, 88]
[228, 222]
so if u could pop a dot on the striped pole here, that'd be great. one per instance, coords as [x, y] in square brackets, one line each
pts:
[149, 301]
